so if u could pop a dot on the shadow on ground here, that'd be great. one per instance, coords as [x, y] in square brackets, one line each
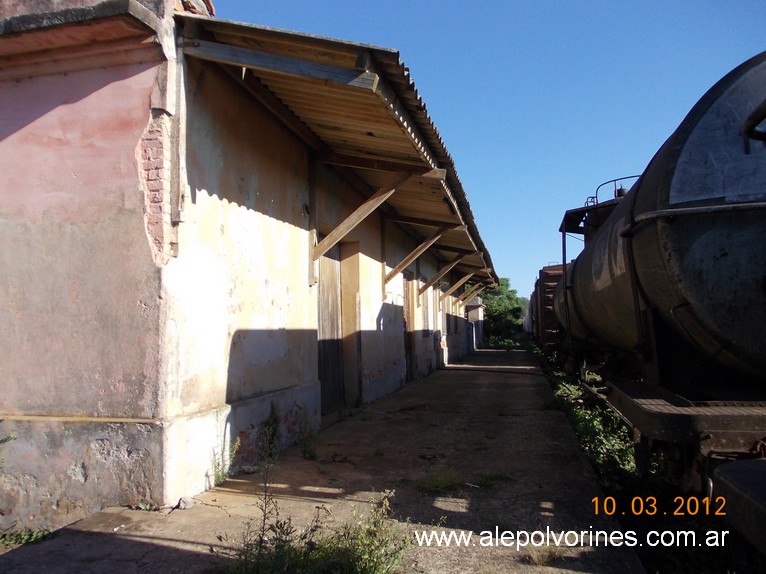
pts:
[474, 447]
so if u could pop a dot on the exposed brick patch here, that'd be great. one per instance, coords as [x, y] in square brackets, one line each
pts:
[154, 156]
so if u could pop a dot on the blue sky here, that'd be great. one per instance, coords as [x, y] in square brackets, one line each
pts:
[540, 101]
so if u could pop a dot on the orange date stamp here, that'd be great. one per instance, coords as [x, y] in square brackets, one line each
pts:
[649, 506]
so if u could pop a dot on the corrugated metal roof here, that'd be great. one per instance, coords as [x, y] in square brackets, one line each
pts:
[357, 106]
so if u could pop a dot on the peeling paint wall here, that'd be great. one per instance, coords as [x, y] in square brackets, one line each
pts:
[58, 471]
[154, 155]
[13, 8]
[241, 328]
[80, 308]
[161, 299]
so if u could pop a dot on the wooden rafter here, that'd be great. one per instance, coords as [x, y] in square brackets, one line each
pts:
[359, 215]
[441, 273]
[470, 293]
[455, 287]
[256, 60]
[424, 222]
[415, 253]
[397, 109]
[382, 165]
[261, 93]
[460, 250]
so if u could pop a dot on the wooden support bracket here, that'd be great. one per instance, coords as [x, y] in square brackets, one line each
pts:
[359, 215]
[454, 288]
[469, 294]
[249, 58]
[441, 273]
[383, 165]
[415, 253]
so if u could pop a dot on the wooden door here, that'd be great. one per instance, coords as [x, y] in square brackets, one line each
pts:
[329, 333]
[408, 311]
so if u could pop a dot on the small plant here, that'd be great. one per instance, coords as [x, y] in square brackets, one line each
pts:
[369, 545]
[544, 555]
[269, 443]
[308, 439]
[147, 506]
[22, 536]
[492, 479]
[438, 484]
[222, 463]
[603, 436]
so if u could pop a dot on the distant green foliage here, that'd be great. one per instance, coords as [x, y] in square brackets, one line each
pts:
[503, 315]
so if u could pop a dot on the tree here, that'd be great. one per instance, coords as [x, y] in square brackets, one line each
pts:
[503, 313]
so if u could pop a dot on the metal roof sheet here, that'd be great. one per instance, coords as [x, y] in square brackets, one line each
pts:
[357, 106]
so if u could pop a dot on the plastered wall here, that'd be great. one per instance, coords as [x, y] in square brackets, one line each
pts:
[80, 310]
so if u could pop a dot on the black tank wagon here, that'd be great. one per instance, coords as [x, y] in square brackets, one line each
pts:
[669, 292]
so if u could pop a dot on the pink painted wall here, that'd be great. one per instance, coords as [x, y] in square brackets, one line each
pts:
[81, 290]
[79, 297]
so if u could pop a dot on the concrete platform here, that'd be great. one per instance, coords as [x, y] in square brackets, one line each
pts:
[474, 447]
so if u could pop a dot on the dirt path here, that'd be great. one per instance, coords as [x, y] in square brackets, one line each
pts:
[474, 447]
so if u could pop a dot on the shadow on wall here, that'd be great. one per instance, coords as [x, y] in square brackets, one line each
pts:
[35, 98]
[286, 380]
[455, 448]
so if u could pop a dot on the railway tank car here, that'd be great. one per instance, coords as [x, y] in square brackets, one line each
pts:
[685, 249]
[669, 294]
[670, 288]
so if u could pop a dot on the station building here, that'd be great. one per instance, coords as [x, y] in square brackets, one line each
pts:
[206, 225]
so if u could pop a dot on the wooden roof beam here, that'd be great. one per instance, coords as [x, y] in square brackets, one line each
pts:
[383, 165]
[397, 109]
[261, 93]
[455, 287]
[415, 253]
[458, 250]
[285, 65]
[425, 222]
[441, 273]
[360, 214]
[477, 269]
[470, 293]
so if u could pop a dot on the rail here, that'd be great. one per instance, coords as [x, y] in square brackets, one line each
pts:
[682, 211]
[750, 126]
[593, 199]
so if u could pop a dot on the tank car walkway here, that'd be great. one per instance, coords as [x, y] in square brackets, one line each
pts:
[474, 447]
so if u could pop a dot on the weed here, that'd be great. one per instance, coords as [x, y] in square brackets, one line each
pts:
[492, 479]
[22, 536]
[222, 463]
[368, 545]
[602, 434]
[147, 506]
[544, 555]
[609, 448]
[269, 443]
[308, 440]
[438, 484]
